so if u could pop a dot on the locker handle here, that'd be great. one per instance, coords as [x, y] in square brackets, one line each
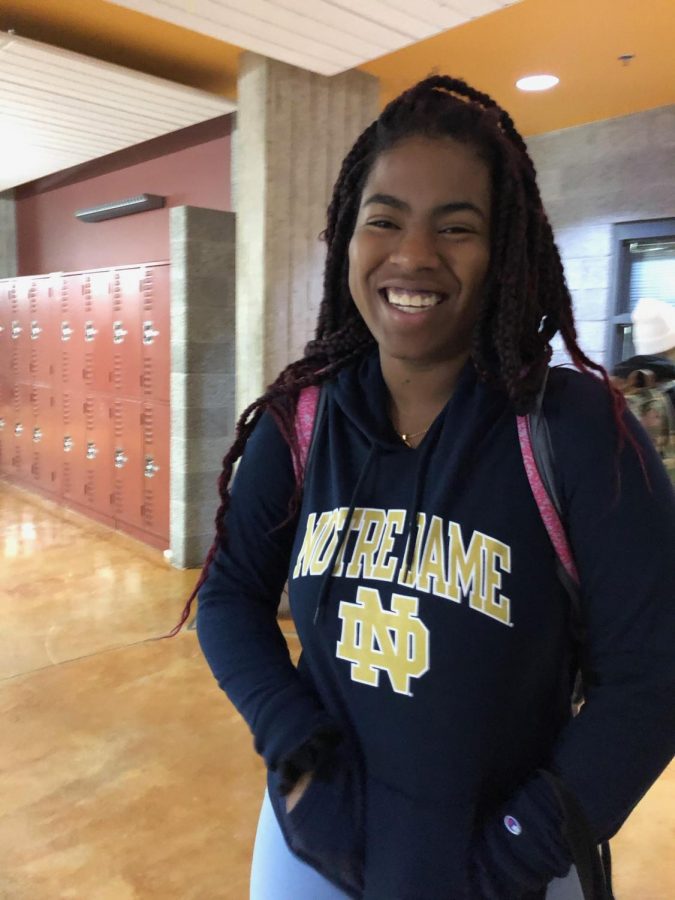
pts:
[149, 333]
[35, 331]
[121, 459]
[90, 331]
[92, 450]
[151, 467]
[37, 435]
[66, 331]
[2, 423]
[68, 444]
[119, 332]
[16, 330]
[18, 429]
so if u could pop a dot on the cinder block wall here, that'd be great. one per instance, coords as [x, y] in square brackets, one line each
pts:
[592, 177]
[202, 372]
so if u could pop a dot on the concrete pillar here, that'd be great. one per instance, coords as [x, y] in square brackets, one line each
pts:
[293, 130]
[202, 373]
[8, 249]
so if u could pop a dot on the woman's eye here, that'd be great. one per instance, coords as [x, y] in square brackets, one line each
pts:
[455, 229]
[381, 223]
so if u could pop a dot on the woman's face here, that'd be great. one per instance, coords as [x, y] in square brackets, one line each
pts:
[420, 250]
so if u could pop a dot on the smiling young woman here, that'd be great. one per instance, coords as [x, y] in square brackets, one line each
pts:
[418, 260]
[424, 748]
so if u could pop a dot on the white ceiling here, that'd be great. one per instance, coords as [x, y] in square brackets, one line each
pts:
[59, 109]
[323, 36]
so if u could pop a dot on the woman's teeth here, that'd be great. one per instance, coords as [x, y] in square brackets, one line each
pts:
[412, 302]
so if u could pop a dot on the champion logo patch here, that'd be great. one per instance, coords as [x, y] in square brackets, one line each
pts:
[512, 825]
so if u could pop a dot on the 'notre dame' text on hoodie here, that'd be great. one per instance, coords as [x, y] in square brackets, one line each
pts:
[436, 635]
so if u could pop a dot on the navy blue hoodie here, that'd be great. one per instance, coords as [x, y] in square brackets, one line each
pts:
[436, 636]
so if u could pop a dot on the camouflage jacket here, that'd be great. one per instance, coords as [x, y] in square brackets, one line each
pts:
[653, 409]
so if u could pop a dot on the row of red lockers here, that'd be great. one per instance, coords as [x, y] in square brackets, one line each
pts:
[106, 331]
[84, 385]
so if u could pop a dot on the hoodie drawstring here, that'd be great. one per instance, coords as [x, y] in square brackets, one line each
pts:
[325, 583]
[415, 500]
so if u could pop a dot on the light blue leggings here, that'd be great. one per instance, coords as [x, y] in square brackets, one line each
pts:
[277, 874]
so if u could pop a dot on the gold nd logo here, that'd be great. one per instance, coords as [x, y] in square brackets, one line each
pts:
[378, 640]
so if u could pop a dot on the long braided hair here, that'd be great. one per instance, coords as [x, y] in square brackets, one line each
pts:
[526, 301]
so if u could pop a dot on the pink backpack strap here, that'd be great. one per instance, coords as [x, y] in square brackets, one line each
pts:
[305, 416]
[547, 510]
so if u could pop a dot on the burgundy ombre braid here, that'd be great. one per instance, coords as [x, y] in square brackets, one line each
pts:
[526, 298]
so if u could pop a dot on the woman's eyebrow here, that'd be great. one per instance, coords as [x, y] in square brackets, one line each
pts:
[387, 200]
[444, 209]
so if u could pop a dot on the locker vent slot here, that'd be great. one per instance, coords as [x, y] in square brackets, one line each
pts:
[117, 371]
[86, 294]
[117, 294]
[147, 423]
[119, 426]
[67, 478]
[147, 380]
[89, 414]
[89, 368]
[147, 292]
[64, 298]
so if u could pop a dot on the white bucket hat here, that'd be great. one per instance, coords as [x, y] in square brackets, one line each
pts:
[653, 327]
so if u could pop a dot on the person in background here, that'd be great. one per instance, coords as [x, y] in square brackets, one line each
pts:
[424, 746]
[647, 379]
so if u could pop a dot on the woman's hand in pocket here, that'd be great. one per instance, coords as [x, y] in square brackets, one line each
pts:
[297, 791]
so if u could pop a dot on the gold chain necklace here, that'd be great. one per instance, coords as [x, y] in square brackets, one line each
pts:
[406, 438]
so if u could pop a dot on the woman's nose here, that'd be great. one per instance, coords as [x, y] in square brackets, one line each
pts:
[415, 250]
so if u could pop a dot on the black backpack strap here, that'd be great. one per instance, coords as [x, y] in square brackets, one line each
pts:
[542, 448]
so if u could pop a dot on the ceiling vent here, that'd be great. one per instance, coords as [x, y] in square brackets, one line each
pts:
[114, 210]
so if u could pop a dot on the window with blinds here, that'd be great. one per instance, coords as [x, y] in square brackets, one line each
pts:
[644, 266]
[652, 271]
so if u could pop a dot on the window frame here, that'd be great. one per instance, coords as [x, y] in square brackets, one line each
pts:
[623, 234]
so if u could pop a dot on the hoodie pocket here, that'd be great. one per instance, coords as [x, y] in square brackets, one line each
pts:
[417, 845]
[325, 828]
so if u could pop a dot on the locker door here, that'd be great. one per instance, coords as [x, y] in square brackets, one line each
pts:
[156, 469]
[96, 298]
[40, 471]
[41, 333]
[98, 479]
[51, 447]
[71, 441]
[70, 338]
[5, 339]
[127, 452]
[156, 336]
[21, 329]
[6, 442]
[38, 332]
[126, 331]
[22, 424]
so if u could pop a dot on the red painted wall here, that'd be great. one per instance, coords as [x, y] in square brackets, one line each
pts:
[51, 239]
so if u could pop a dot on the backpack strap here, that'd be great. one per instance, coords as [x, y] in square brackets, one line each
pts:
[537, 453]
[308, 412]
[595, 871]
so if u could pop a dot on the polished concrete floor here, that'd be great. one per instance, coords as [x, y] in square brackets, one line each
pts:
[124, 773]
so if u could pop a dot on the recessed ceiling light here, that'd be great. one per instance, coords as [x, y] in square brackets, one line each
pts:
[537, 82]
